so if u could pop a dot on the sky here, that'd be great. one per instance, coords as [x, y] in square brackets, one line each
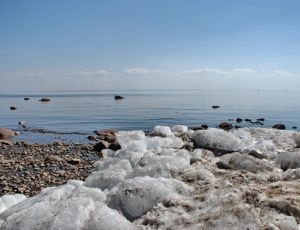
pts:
[149, 44]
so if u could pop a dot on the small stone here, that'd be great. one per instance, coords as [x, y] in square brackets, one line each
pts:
[92, 138]
[215, 106]
[45, 99]
[115, 146]
[53, 158]
[239, 120]
[13, 108]
[74, 161]
[26, 98]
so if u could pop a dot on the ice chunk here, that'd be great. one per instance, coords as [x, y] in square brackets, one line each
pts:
[138, 195]
[132, 140]
[158, 143]
[216, 139]
[7, 201]
[167, 164]
[288, 160]
[179, 129]
[65, 207]
[110, 173]
[162, 130]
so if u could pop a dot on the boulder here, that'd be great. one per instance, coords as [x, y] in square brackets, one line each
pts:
[225, 126]
[279, 126]
[101, 145]
[7, 133]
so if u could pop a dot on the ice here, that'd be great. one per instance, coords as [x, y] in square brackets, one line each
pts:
[158, 143]
[288, 160]
[70, 206]
[8, 201]
[216, 139]
[162, 130]
[167, 164]
[132, 140]
[140, 194]
[109, 173]
[179, 129]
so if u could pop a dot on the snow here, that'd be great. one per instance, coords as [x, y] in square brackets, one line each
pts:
[179, 129]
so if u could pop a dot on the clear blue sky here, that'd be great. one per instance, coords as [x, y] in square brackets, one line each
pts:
[102, 41]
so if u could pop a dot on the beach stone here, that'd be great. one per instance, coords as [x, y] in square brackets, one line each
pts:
[13, 108]
[239, 120]
[101, 145]
[195, 128]
[204, 126]
[74, 161]
[225, 126]
[107, 135]
[115, 146]
[288, 160]
[92, 138]
[45, 99]
[52, 158]
[7, 133]
[279, 126]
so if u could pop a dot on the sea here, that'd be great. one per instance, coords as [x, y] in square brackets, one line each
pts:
[71, 116]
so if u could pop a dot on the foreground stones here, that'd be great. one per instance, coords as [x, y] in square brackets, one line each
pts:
[28, 168]
[6, 134]
[153, 182]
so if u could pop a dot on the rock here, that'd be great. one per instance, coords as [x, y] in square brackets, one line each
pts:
[107, 135]
[279, 126]
[92, 138]
[260, 119]
[101, 145]
[45, 99]
[225, 126]
[74, 161]
[22, 123]
[13, 108]
[248, 120]
[288, 160]
[237, 126]
[118, 97]
[204, 126]
[239, 120]
[195, 128]
[5, 142]
[215, 106]
[294, 127]
[26, 98]
[7, 133]
[52, 158]
[115, 146]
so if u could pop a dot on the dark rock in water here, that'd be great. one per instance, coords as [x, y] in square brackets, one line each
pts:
[45, 99]
[294, 127]
[204, 126]
[115, 146]
[7, 133]
[260, 119]
[26, 98]
[118, 97]
[195, 128]
[279, 126]
[225, 125]
[256, 123]
[215, 107]
[237, 126]
[92, 138]
[22, 123]
[100, 146]
[239, 120]
[248, 120]
[13, 108]
[230, 119]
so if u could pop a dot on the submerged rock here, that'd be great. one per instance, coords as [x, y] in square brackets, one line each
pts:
[118, 97]
[45, 99]
[225, 125]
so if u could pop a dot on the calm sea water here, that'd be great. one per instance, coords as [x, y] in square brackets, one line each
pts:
[85, 111]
